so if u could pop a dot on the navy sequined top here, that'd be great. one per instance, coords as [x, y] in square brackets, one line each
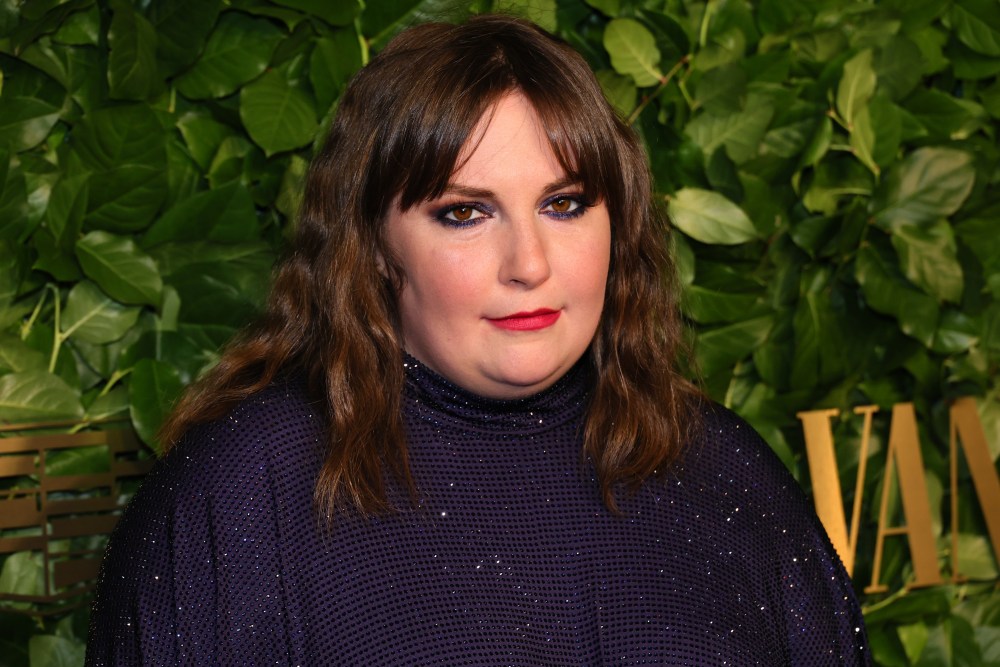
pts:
[510, 557]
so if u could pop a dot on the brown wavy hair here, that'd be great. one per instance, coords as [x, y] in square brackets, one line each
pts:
[332, 311]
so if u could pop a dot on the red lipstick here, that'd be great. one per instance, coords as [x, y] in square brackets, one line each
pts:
[533, 321]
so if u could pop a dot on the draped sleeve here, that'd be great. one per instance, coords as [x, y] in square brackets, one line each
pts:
[193, 572]
[788, 556]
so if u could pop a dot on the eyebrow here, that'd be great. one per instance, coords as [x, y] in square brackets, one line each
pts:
[484, 193]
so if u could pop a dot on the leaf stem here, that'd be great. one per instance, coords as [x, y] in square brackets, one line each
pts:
[634, 116]
[902, 592]
[26, 327]
[116, 376]
[57, 339]
[705, 20]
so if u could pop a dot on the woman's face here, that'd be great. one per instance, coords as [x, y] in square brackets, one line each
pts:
[506, 270]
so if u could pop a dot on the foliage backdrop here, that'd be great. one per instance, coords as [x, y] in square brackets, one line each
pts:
[831, 166]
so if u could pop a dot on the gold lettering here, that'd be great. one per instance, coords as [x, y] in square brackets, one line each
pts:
[904, 456]
[965, 426]
[826, 482]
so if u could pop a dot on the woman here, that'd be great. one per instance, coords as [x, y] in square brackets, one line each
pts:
[458, 436]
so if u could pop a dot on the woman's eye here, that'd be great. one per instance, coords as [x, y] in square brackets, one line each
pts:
[461, 214]
[564, 206]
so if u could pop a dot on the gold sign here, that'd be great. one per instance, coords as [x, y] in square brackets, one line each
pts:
[903, 463]
[62, 520]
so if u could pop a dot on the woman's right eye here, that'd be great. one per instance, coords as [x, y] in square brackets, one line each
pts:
[461, 215]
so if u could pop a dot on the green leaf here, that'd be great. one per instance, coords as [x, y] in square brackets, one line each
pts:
[709, 217]
[67, 208]
[977, 24]
[887, 292]
[709, 306]
[202, 135]
[740, 132]
[540, 12]
[671, 40]
[720, 90]
[181, 28]
[30, 104]
[929, 184]
[53, 651]
[895, 67]
[725, 47]
[335, 13]
[14, 207]
[914, 638]
[720, 348]
[36, 396]
[835, 179]
[290, 195]
[607, 7]
[980, 235]
[952, 643]
[886, 120]
[229, 295]
[125, 150]
[619, 90]
[78, 461]
[332, 62]
[957, 333]
[132, 67]
[223, 215]
[944, 116]
[975, 557]
[81, 28]
[633, 51]
[93, 317]
[153, 388]
[120, 268]
[857, 85]
[17, 357]
[968, 64]
[381, 20]
[53, 259]
[23, 573]
[928, 257]
[177, 258]
[237, 51]
[863, 138]
[277, 116]
[109, 405]
[788, 141]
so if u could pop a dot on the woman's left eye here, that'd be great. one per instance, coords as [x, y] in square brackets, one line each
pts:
[565, 206]
[462, 215]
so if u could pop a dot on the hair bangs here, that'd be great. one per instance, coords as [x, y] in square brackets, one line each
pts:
[460, 85]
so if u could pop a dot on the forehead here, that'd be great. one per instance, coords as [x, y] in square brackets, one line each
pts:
[509, 140]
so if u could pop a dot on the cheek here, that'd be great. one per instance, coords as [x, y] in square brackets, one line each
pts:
[589, 273]
[442, 282]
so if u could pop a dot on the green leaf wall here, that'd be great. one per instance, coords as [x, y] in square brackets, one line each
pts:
[831, 168]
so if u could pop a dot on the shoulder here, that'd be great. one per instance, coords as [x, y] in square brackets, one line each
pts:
[725, 441]
[206, 520]
[279, 426]
[219, 467]
[728, 460]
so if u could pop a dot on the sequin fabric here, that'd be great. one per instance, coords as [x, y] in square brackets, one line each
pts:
[509, 558]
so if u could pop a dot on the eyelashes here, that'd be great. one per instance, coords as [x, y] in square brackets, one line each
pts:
[467, 214]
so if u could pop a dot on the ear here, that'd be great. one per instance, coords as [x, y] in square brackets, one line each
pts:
[380, 265]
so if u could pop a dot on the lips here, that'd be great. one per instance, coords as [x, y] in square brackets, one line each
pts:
[533, 321]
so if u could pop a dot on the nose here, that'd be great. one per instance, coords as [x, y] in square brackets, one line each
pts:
[525, 259]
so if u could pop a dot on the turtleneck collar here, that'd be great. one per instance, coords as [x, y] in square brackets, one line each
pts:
[429, 396]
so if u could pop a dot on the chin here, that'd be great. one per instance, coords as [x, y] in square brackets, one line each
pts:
[528, 379]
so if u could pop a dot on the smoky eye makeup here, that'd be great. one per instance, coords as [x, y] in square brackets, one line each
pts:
[462, 214]
[566, 206]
